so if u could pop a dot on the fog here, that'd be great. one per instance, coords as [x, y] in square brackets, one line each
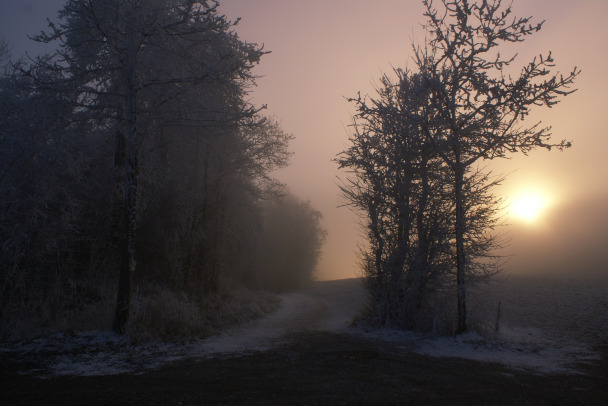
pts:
[322, 52]
[156, 129]
[569, 241]
[310, 72]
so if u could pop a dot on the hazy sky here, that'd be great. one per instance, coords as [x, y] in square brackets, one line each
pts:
[324, 51]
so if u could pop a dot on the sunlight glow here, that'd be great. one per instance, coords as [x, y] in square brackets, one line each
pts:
[528, 207]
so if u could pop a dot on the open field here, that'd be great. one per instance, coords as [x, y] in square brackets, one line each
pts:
[556, 309]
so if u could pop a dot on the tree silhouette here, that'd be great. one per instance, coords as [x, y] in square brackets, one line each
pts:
[416, 150]
[114, 56]
[479, 110]
[402, 185]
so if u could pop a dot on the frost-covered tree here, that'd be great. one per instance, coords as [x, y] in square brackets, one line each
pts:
[395, 180]
[51, 200]
[403, 188]
[459, 108]
[139, 122]
[479, 109]
[138, 64]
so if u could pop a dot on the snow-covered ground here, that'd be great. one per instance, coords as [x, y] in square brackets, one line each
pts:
[546, 325]
[324, 306]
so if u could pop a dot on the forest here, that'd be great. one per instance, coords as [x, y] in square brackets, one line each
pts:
[136, 178]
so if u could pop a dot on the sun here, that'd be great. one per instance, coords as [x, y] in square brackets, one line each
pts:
[528, 206]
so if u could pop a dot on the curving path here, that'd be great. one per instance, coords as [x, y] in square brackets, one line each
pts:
[328, 306]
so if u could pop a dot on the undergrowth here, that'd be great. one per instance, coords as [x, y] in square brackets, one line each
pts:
[157, 313]
[170, 316]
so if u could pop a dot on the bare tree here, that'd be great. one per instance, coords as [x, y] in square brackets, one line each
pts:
[479, 109]
[396, 181]
[141, 123]
[52, 204]
[108, 53]
[402, 185]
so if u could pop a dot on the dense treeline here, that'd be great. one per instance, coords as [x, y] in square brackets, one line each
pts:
[132, 157]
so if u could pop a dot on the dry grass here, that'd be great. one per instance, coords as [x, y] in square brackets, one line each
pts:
[170, 316]
[157, 313]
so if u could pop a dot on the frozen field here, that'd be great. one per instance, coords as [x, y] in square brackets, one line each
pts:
[546, 324]
[543, 308]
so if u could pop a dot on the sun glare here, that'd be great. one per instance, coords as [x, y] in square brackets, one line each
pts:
[528, 207]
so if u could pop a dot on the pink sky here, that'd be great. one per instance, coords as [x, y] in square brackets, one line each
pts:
[323, 51]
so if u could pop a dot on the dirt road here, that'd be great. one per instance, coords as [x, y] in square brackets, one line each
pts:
[328, 306]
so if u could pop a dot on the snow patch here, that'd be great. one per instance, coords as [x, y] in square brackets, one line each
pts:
[528, 354]
[532, 356]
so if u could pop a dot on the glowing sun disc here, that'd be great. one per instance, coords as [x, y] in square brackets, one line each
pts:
[528, 207]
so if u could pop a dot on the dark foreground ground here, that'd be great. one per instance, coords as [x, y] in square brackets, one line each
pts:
[318, 369]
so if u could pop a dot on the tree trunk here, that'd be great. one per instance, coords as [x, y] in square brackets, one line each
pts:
[127, 245]
[460, 256]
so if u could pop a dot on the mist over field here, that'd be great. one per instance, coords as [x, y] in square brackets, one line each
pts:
[570, 240]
